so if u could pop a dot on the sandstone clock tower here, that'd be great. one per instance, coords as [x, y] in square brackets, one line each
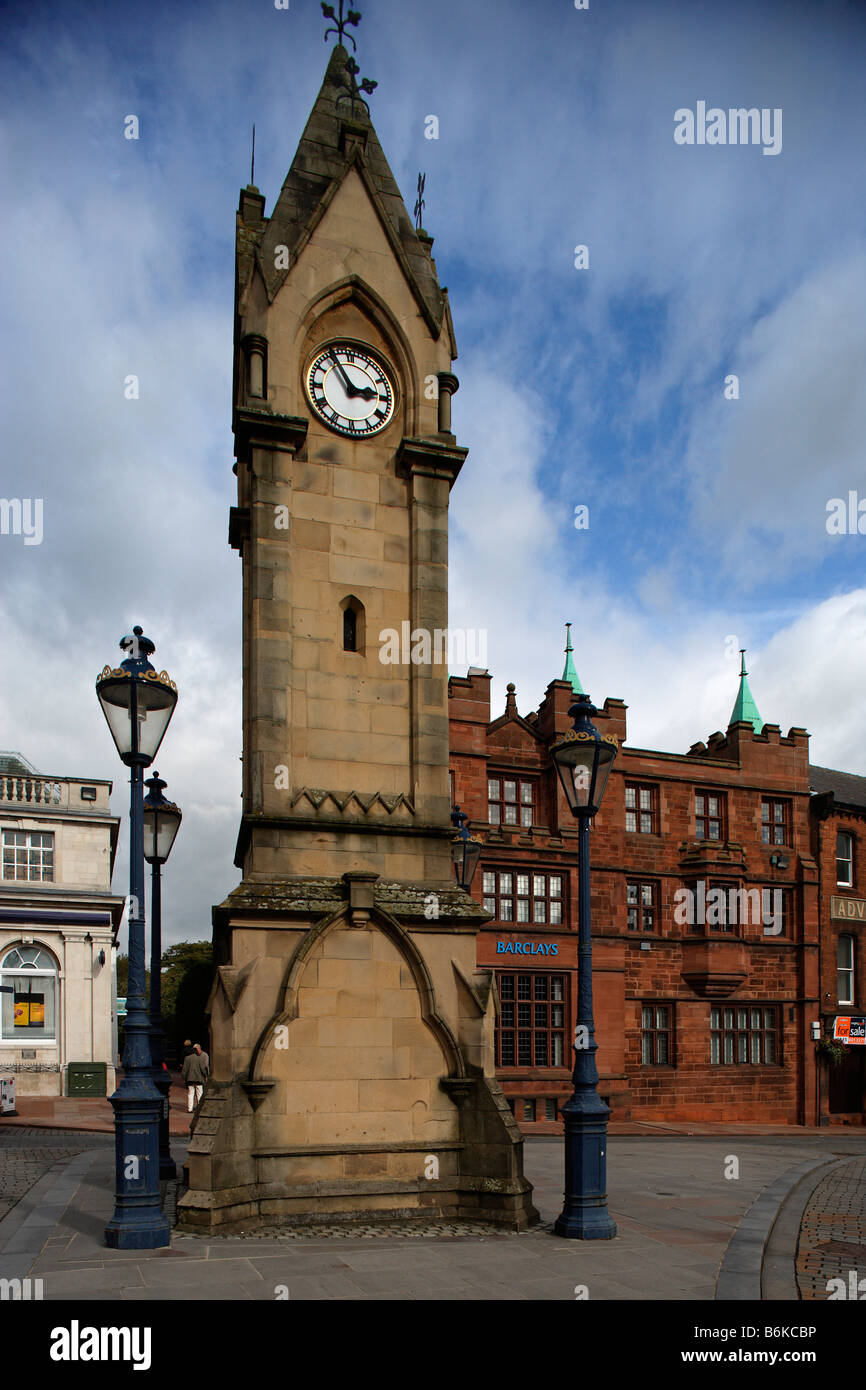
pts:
[352, 1034]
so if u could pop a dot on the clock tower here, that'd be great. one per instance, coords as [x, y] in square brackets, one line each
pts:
[351, 1032]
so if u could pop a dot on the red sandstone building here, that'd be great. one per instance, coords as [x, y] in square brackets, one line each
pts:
[712, 888]
[839, 847]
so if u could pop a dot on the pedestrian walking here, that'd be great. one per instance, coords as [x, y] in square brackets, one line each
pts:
[196, 1067]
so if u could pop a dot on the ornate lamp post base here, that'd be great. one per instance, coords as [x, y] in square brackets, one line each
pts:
[584, 1214]
[138, 1222]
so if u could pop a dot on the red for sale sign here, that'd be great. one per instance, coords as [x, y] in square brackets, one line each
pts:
[850, 1030]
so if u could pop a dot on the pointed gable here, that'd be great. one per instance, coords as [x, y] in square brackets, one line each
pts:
[339, 137]
[511, 731]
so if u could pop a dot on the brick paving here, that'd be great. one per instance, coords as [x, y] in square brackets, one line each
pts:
[832, 1240]
[92, 1115]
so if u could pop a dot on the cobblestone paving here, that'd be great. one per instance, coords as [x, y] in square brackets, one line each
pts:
[832, 1241]
[409, 1230]
[27, 1154]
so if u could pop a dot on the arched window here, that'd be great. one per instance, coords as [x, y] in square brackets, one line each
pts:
[352, 624]
[350, 630]
[29, 1010]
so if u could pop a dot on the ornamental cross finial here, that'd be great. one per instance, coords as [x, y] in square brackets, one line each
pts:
[355, 90]
[419, 201]
[340, 23]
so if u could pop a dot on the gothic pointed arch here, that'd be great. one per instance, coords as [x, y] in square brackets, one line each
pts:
[307, 949]
[314, 327]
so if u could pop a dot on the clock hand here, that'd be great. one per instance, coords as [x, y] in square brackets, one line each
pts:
[367, 393]
[350, 389]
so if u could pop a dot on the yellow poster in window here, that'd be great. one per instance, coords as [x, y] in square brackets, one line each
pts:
[22, 1015]
[37, 1014]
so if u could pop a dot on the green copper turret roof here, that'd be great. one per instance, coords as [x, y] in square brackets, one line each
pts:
[570, 674]
[744, 705]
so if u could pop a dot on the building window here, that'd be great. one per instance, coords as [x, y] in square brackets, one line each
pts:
[710, 815]
[528, 1110]
[655, 1035]
[845, 970]
[777, 908]
[726, 908]
[641, 901]
[514, 896]
[775, 822]
[844, 860]
[641, 808]
[28, 854]
[719, 906]
[28, 1011]
[509, 801]
[352, 625]
[744, 1034]
[550, 1110]
[530, 1031]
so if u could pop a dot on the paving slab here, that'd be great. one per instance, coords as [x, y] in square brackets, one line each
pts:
[676, 1214]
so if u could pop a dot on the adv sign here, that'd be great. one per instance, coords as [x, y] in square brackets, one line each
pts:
[850, 1030]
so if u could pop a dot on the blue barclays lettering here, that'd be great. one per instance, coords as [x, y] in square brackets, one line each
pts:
[526, 948]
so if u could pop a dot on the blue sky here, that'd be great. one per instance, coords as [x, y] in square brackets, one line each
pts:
[602, 386]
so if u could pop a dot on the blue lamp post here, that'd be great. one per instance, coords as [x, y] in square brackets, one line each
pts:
[138, 704]
[583, 760]
[161, 823]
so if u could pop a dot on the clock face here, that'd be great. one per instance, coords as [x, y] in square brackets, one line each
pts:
[350, 390]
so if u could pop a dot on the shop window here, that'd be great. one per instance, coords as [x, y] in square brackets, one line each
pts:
[28, 1010]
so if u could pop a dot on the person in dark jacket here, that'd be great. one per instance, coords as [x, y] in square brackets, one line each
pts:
[196, 1068]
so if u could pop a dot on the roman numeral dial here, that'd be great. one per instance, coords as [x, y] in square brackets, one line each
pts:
[350, 390]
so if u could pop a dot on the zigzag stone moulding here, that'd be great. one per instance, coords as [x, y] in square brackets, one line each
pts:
[343, 800]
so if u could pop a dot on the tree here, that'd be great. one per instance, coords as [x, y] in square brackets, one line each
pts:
[123, 978]
[187, 975]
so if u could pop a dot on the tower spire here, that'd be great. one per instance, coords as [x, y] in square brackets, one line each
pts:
[570, 672]
[744, 705]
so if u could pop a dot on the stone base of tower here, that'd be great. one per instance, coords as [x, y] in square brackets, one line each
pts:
[352, 1064]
